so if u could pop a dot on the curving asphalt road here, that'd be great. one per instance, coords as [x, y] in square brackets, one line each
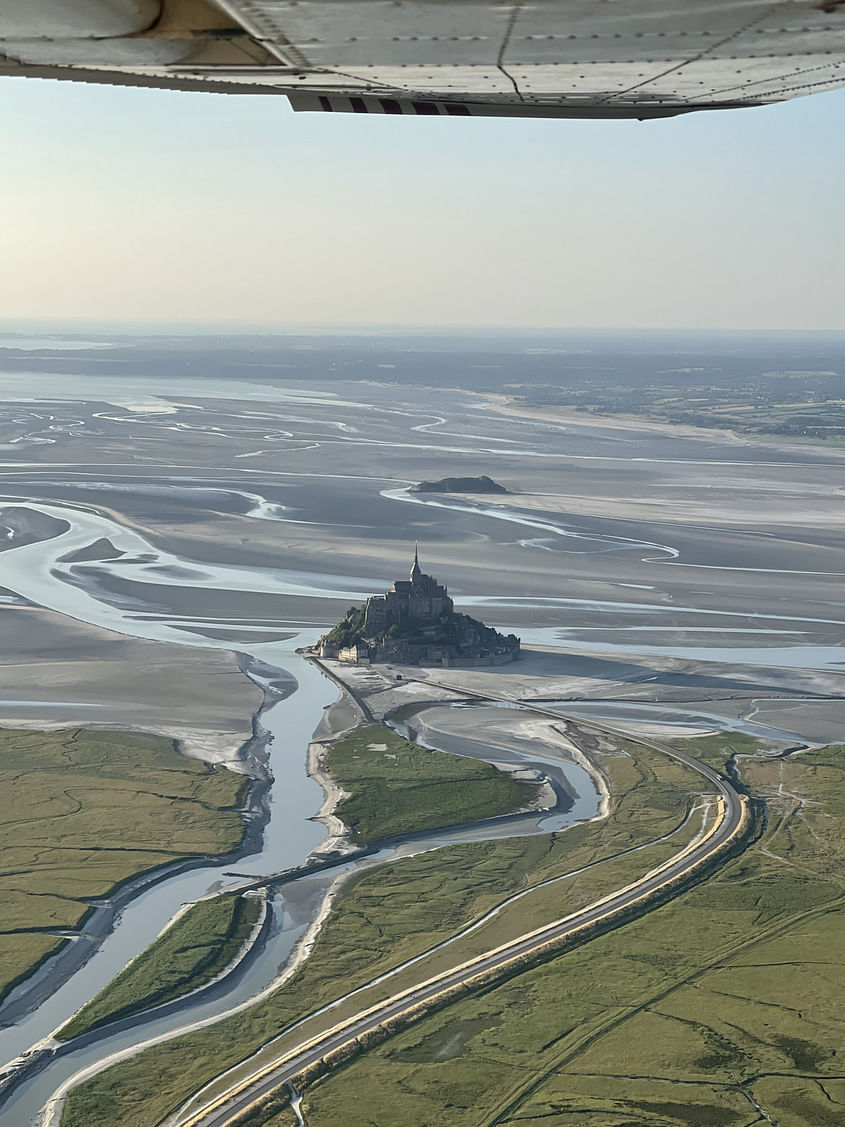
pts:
[243, 1095]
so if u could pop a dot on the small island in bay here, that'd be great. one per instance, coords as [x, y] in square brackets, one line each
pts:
[482, 484]
[415, 623]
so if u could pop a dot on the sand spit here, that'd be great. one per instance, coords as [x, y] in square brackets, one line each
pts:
[342, 716]
[510, 405]
[338, 839]
[547, 797]
[592, 768]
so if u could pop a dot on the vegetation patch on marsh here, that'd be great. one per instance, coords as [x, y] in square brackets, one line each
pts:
[396, 787]
[192, 951]
[83, 812]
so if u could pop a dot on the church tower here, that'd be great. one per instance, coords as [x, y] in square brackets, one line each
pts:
[416, 570]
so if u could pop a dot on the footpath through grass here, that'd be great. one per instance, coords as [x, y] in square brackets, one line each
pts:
[397, 787]
[82, 812]
[724, 1008]
[394, 913]
[200, 944]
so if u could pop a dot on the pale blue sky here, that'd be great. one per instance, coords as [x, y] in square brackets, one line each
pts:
[153, 206]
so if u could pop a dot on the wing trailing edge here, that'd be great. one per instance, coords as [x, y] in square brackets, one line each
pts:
[448, 58]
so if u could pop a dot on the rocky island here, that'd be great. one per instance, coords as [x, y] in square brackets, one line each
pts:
[482, 484]
[415, 623]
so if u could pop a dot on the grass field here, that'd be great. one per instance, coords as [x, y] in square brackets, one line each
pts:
[396, 787]
[201, 943]
[82, 812]
[400, 910]
[724, 1008]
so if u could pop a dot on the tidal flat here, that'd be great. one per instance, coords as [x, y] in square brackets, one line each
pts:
[164, 534]
[295, 509]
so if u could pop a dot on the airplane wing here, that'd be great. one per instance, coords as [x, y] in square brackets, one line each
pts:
[526, 58]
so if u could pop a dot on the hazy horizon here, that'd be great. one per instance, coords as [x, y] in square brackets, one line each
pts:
[13, 327]
[174, 209]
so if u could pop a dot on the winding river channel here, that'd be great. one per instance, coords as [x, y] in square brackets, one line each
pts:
[41, 573]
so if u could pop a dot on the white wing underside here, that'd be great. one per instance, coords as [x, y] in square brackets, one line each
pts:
[543, 58]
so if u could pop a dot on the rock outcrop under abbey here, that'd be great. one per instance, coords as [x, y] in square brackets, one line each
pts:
[415, 623]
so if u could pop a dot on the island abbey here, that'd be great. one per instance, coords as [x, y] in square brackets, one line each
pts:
[415, 623]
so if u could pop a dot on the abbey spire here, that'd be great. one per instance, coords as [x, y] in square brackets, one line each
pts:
[416, 570]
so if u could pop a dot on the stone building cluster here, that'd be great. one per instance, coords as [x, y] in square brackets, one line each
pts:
[415, 623]
[418, 599]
